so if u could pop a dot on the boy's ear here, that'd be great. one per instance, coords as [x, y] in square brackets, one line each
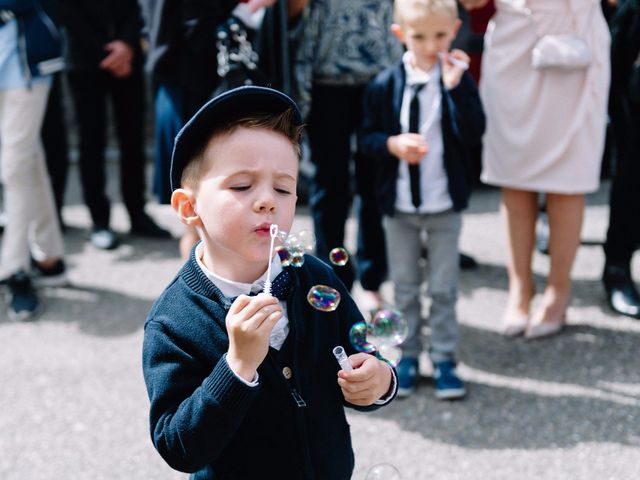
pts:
[397, 31]
[456, 27]
[183, 201]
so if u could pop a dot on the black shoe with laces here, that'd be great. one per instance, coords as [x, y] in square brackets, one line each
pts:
[104, 238]
[23, 300]
[143, 226]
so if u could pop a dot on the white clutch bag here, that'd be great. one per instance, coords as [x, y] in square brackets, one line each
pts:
[561, 52]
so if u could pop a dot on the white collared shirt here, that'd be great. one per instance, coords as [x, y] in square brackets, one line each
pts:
[434, 191]
[231, 289]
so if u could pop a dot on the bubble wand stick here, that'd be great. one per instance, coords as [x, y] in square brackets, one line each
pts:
[273, 232]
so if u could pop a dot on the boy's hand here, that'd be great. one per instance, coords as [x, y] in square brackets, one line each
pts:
[452, 73]
[369, 380]
[249, 323]
[410, 147]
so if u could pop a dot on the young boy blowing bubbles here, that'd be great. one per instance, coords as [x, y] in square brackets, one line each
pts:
[245, 386]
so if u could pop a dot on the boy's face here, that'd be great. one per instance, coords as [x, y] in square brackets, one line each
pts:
[428, 35]
[250, 183]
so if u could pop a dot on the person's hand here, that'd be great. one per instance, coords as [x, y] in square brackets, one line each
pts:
[472, 4]
[249, 323]
[369, 380]
[118, 59]
[255, 5]
[410, 147]
[451, 72]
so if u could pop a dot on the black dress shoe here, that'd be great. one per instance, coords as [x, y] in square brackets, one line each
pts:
[144, 226]
[622, 294]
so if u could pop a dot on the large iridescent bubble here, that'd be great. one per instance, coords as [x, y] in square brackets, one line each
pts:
[388, 327]
[358, 335]
[323, 298]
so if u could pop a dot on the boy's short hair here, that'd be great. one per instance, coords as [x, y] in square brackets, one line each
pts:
[249, 106]
[407, 10]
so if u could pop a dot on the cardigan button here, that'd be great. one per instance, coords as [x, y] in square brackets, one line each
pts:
[287, 373]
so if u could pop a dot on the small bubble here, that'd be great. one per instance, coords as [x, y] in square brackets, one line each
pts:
[339, 256]
[297, 258]
[323, 298]
[358, 337]
[383, 471]
[293, 242]
[390, 354]
[307, 240]
[284, 254]
[282, 236]
[388, 327]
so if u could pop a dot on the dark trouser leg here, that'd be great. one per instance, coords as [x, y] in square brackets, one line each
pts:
[54, 140]
[89, 91]
[128, 108]
[372, 255]
[331, 124]
[623, 234]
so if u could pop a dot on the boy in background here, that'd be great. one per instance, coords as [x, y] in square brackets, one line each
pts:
[420, 119]
[247, 386]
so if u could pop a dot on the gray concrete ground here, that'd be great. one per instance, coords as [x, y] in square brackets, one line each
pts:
[73, 403]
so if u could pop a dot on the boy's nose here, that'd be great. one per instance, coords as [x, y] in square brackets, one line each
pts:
[265, 202]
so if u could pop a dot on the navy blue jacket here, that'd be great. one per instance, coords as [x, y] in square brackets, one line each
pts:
[205, 420]
[39, 39]
[463, 124]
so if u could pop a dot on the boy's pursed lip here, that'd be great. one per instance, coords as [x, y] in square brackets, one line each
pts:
[263, 229]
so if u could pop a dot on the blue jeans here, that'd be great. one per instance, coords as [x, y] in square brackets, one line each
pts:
[404, 236]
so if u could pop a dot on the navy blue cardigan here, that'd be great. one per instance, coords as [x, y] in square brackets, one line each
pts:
[463, 124]
[204, 420]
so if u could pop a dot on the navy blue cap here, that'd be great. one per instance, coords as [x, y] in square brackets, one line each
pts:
[231, 105]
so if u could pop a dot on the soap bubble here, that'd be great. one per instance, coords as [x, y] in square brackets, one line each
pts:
[284, 254]
[293, 242]
[307, 240]
[358, 337]
[297, 258]
[282, 236]
[323, 298]
[339, 256]
[388, 327]
[383, 471]
[390, 354]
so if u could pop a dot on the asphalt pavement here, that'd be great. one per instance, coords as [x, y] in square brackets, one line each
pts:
[73, 403]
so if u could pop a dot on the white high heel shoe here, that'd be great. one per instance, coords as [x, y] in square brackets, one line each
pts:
[514, 324]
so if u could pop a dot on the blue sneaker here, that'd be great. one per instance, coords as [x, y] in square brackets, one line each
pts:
[407, 371]
[23, 301]
[448, 383]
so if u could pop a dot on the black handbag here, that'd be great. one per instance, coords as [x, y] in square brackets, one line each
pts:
[237, 58]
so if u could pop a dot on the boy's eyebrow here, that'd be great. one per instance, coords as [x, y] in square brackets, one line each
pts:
[249, 171]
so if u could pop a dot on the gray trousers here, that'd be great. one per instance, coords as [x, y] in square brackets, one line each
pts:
[404, 235]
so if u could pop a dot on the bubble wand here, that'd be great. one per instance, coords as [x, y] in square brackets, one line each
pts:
[273, 232]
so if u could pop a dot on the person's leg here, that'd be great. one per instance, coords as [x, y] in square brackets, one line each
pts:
[54, 139]
[520, 210]
[403, 231]
[565, 214]
[443, 233]
[27, 192]
[330, 141]
[89, 92]
[623, 234]
[127, 96]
